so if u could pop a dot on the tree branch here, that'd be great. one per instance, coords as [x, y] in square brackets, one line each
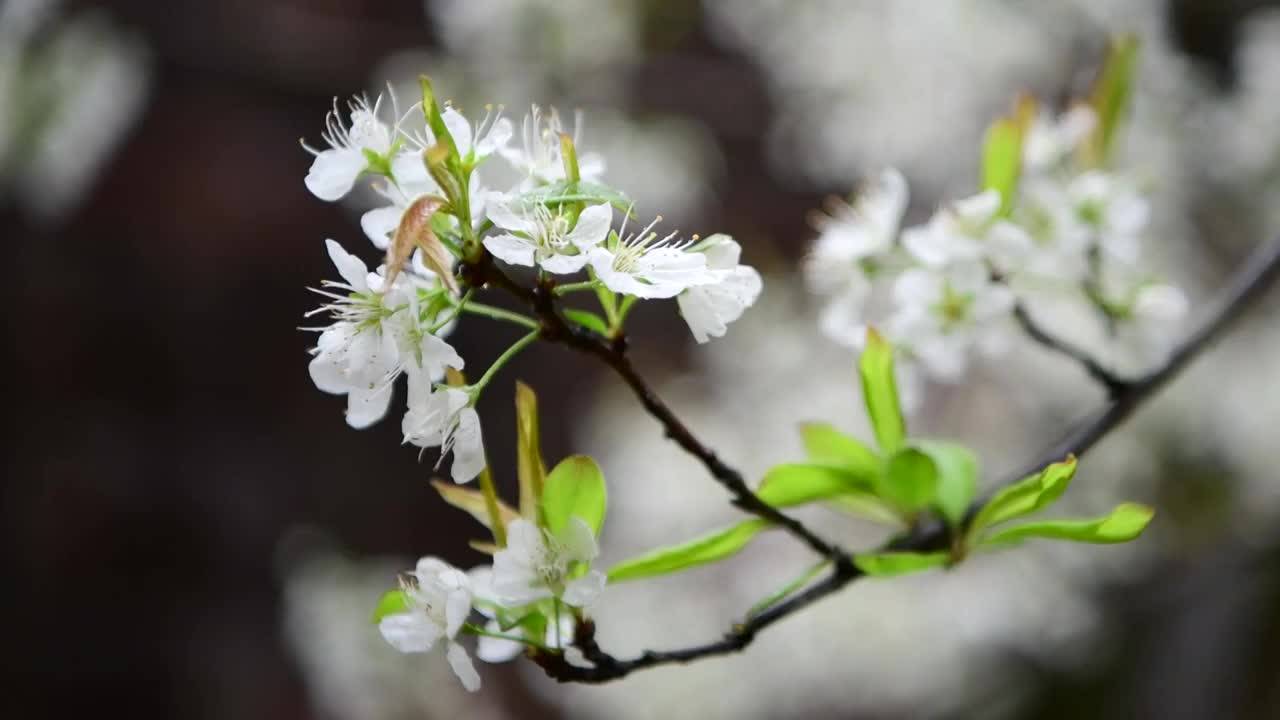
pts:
[1258, 273]
[556, 329]
[1114, 384]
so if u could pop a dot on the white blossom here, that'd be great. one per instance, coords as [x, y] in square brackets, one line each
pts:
[941, 314]
[1050, 141]
[558, 635]
[445, 418]
[1114, 209]
[536, 564]
[648, 267]
[851, 239]
[709, 308]
[539, 157]
[376, 336]
[537, 236]
[334, 171]
[440, 601]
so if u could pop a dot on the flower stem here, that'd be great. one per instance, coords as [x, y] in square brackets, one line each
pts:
[576, 287]
[503, 359]
[498, 313]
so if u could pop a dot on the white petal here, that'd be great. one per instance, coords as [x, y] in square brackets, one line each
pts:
[459, 129]
[367, 406]
[462, 666]
[411, 174]
[669, 271]
[563, 264]
[456, 609]
[334, 172]
[1161, 304]
[409, 632]
[584, 591]
[379, 223]
[978, 209]
[511, 249]
[524, 539]
[351, 268]
[723, 252]
[497, 138]
[697, 310]
[592, 228]
[481, 579]
[579, 540]
[437, 355]
[429, 568]
[573, 655]
[927, 243]
[468, 447]
[497, 650]
[505, 217]
[917, 287]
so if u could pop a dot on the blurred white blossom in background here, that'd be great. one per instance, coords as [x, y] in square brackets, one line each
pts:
[70, 89]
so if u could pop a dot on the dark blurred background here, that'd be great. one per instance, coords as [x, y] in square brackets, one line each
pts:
[171, 449]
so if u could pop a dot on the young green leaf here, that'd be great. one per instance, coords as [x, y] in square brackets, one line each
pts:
[865, 505]
[888, 564]
[829, 446]
[582, 191]
[1110, 97]
[473, 503]
[709, 548]
[957, 478]
[588, 320]
[574, 488]
[1002, 160]
[910, 481]
[1026, 496]
[1124, 523]
[794, 484]
[880, 392]
[781, 593]
[392, 602]
[530, 470]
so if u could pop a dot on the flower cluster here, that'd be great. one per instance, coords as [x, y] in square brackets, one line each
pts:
[1061, 222]
[437, 213]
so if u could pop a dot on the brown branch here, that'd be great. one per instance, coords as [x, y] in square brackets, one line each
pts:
[556, 329]
[1258, 273]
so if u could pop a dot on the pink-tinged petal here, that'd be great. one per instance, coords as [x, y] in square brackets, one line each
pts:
[379, 223]
[510, 249]
[584, 591]
[352, 269]
[333, 173]
[592, 228]
[409, 632]
[462, 666]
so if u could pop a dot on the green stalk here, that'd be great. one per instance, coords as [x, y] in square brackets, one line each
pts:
[502, 360]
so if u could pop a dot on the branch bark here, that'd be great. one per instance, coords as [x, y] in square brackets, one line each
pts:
[1257, 274]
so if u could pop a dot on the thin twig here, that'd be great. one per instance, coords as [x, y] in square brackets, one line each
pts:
[554, 328]
[1114, 384]
[1257, 274]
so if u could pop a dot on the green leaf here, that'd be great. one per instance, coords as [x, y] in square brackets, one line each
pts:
[473, 503]
[781, 593]
[392, 602]
[1124, 523]
[794, 484]
[574, 488]
[829, 446]
[1026, 496]
[709, 548]
[530, 470]
[568, 191]
[588, 320]
[888, 564]
[957, 478]
[910, 481]
[865, 505]
[880, 393]
[1110, 97]
[1002, 161]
